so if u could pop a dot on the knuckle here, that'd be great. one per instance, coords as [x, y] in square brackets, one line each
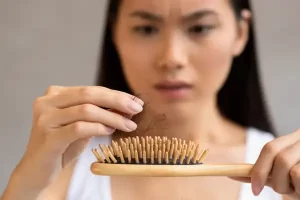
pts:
[298, 132]
[282, 159]
[38, 101]
[104, 88]
[86, 109]
[38, 104]
[86, 92]
[78, 128]
[53, 89]
[295, 173]
[271, 148]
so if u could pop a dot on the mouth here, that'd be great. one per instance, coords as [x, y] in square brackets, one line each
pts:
[172, 85]
[175, 89]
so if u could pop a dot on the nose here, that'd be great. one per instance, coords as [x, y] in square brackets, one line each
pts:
[172, 56]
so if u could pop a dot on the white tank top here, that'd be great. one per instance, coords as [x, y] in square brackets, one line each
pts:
[86, 186]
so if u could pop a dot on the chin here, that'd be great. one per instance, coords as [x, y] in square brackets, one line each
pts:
[173, 111]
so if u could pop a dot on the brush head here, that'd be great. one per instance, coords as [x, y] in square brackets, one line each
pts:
[151, 151]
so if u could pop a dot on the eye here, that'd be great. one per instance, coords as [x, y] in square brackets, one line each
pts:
[200, 29]
[145, 30]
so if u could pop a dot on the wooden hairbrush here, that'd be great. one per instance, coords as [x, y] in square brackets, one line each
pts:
[159, 157]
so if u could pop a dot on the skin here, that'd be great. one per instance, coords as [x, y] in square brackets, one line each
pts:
[203, 58]
[65, 118]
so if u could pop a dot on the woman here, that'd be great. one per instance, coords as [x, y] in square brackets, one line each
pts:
[193, 64]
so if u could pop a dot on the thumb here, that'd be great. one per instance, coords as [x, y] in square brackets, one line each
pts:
[74, 150]
[248, 180]
[241, 179]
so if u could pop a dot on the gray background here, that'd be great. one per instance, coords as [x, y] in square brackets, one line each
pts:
[56, 42]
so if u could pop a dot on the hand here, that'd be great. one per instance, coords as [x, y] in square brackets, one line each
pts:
[278, 166]
[64, 120]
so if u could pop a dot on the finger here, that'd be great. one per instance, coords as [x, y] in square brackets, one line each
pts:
[241, 179]
[74, 150]
[54, 90]
[78, 130]
[284, 161]
[248, 180]
[295, 177]
[99, 96]
[91, 113]
[129, 116]
[40, 103]
[264, 164]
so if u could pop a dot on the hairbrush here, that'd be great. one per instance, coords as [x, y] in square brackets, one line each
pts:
[159, 157]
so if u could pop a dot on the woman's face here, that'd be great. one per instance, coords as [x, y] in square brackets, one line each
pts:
[176, 53]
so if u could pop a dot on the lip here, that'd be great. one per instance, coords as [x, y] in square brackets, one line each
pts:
[174, 89]
[172, 85]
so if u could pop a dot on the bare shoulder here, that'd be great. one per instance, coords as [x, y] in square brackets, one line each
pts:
[58, 189]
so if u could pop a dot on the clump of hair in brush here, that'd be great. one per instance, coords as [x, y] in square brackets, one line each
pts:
[149, 150]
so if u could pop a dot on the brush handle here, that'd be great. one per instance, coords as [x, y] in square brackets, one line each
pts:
[233, 170]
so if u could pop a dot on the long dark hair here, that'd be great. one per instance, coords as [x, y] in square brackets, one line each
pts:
[240, 99]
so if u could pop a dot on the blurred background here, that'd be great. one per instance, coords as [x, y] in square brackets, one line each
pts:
[56, 42]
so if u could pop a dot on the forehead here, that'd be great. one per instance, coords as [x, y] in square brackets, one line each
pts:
[167, 7]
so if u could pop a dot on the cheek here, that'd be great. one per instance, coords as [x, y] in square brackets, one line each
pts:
[213, 63]
[137, 65]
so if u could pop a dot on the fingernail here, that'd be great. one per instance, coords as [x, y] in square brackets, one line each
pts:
[139, 101]
[110, 130]
[256, 187]
[130, 125]
[135, 107]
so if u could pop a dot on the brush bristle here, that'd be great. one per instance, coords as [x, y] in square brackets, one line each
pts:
[157, 150]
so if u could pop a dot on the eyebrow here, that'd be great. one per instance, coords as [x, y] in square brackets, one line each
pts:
[199, 14]
[146, 15]
[153, 17]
